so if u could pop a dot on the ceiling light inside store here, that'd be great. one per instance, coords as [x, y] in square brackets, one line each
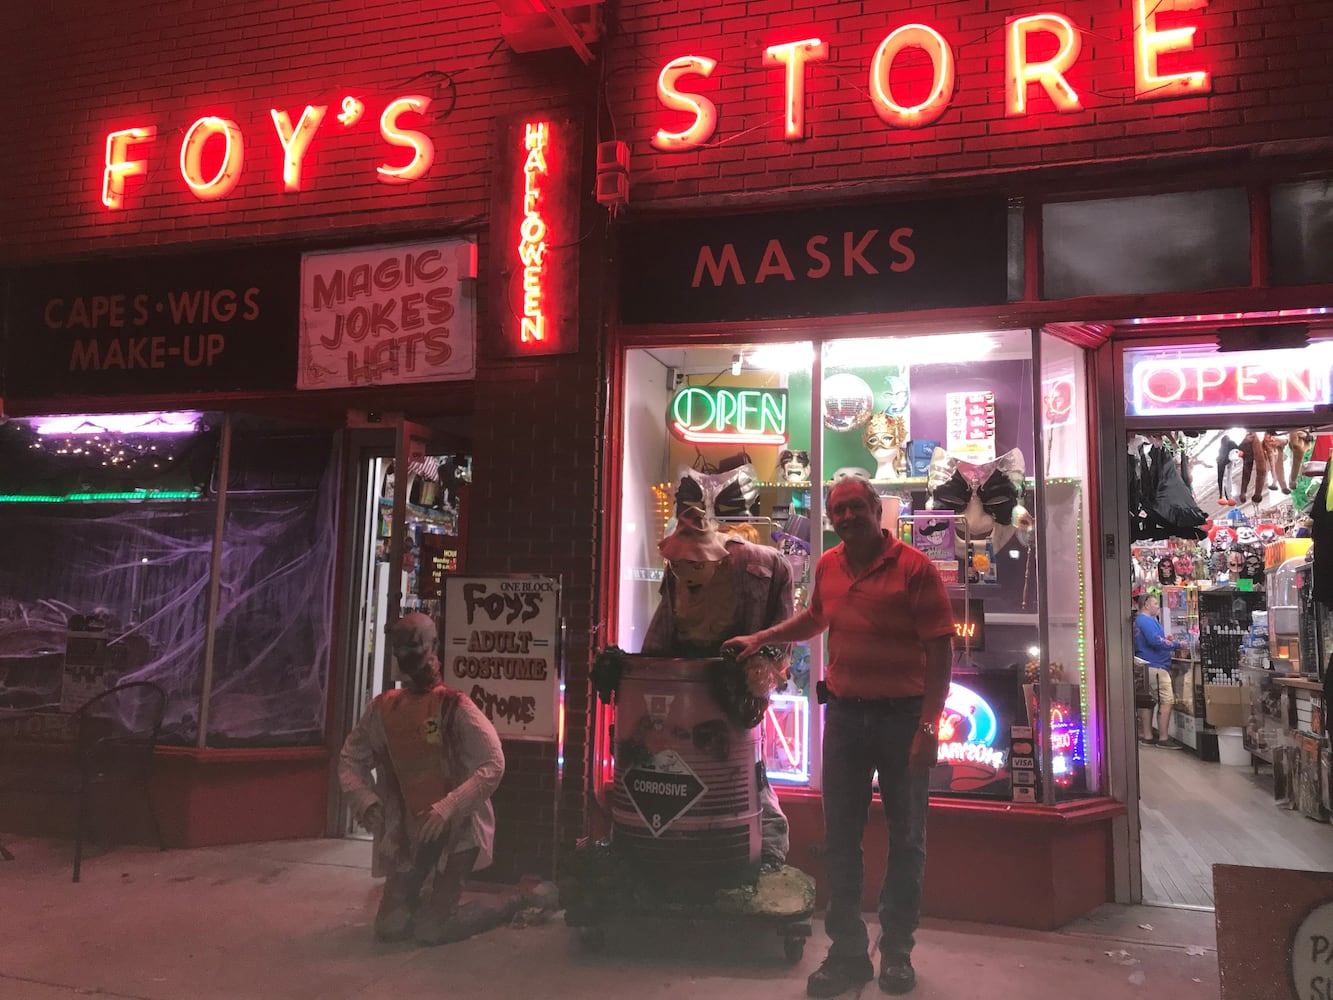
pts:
[948, 348]
[76, 425]
[781, 357]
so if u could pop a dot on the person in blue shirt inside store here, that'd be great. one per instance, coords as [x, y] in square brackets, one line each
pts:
[1154, 647]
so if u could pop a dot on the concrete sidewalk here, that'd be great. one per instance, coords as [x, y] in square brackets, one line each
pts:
[291, 920]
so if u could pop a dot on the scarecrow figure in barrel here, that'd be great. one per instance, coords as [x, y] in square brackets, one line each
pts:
[718, 586]
[418, 772]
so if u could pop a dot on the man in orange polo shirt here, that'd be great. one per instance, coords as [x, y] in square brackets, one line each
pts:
[890, 628]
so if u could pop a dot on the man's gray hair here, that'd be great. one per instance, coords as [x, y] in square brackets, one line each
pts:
[862, 486]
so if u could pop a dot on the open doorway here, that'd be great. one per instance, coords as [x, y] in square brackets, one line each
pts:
[1230, 652]
[408, 526]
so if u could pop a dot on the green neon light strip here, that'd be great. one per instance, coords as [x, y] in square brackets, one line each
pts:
[100, 497]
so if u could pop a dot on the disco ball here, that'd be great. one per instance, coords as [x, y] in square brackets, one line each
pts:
[848, 402]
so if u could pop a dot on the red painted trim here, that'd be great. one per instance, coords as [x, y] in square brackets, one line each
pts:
[1118, 309]
[1095, 637]
[244, 755]
[1071, 813]
[338, 644]
[1090, 335]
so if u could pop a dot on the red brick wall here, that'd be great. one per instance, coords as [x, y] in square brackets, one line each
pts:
[1272, 80]
[167, 62]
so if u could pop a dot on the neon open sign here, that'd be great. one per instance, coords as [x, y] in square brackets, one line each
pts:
[1253, 381]
[730, 415]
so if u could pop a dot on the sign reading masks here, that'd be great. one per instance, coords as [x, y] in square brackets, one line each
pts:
[817, 262]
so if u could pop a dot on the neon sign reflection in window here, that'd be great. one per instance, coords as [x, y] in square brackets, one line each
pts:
[968, 729]
[728, 415]
[787, 738]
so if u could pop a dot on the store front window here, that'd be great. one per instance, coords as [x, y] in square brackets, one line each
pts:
[946, 428]
[110, 523]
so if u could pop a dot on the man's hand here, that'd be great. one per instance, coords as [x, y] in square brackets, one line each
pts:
[373, 820]
[925, 751]
[744, 645]
[436, 823]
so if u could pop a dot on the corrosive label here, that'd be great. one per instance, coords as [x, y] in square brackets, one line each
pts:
[662, 796]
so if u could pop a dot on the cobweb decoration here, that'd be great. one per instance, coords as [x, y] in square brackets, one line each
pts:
[142, 571]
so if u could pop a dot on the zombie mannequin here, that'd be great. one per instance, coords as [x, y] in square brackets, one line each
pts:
[418, 772]
[716, 588]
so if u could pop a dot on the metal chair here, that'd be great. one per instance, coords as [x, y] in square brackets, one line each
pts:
[117, 733]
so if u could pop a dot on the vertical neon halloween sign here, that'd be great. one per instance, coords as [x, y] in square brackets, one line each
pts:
[532, 232]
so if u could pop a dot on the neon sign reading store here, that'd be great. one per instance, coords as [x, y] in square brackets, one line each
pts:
[532, 232]
[1025, 76]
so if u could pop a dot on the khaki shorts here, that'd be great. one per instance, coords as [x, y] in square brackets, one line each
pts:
[1159, 683]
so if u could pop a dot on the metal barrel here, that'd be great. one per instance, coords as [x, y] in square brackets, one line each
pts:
[671, 737]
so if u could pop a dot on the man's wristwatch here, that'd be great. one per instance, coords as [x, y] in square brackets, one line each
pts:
[928, 728]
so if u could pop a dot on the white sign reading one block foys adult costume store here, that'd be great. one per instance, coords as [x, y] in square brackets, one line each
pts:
[500, 648]
[387, 315]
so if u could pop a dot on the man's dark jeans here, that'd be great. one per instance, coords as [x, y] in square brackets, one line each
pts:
[859, 739]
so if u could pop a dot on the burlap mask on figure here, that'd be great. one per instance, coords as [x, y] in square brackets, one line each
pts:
[413, 641]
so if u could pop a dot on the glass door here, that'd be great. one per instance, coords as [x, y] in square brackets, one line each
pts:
[410, 504]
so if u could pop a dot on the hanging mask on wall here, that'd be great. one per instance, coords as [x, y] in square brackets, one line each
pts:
[793, 466]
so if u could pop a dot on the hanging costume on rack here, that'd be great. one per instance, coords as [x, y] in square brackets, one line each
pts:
[1161, 505]
[1321, 531]
[1227, 453]
[1274, 445]
[1254, 458]
[1299, 442]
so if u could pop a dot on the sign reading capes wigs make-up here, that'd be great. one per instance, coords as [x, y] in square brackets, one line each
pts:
[817, 262]
[153, 325]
